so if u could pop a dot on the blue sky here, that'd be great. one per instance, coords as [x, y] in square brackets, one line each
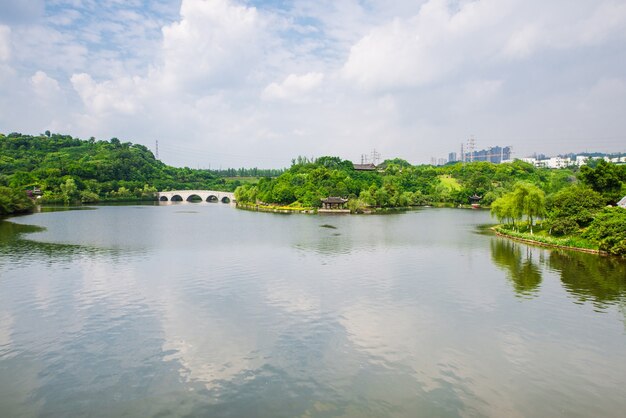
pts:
[255, 83]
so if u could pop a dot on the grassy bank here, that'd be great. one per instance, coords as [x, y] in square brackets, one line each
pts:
[276, 208]
[540, 237]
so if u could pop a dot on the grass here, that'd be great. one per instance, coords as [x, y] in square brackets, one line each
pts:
[541, 236]
[294, 207]
[450, 182]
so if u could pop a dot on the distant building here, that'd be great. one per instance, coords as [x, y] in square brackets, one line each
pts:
[568, 160]
[452, 157]
[334, 204]
[364, 167]
[581, 160]
[494, 154]
[557, 162]
[441, 161]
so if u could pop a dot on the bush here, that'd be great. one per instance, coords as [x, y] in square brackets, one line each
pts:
[577, 204]
[87, 196]
[609, 229]
[14, 201]
[562, 226]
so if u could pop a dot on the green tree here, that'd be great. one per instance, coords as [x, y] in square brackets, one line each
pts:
[609, 230]
[87, 196]
[503, 209]
[525, 199]
[606, 178]
[14, 201]
[69, 190]
[530, 201]
[573, 208]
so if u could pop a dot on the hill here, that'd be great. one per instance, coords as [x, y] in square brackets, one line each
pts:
[66, 168]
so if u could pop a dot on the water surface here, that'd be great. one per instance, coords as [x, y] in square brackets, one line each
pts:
[205, 310]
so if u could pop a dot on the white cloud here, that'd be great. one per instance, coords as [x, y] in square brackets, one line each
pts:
[480, 91]
[410, 78]
[5, 43]
[442, 41]
[43, 85]
[424, 48]
[110, 96]
[522, 42]
[294, 87]
[215, 44]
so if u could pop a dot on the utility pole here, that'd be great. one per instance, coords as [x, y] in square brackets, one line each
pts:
[157, 149]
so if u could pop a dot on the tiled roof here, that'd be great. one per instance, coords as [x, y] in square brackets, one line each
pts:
[334, 199]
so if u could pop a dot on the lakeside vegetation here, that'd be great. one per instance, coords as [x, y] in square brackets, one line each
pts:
[565, 207]
[580, 216]
[14, 201]
[397, 183]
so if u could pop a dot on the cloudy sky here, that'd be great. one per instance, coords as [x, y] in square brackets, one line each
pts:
[236, 83]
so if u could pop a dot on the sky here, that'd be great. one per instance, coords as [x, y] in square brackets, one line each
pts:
[252, 83]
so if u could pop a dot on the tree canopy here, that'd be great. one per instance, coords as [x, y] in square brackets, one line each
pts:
[67, 168]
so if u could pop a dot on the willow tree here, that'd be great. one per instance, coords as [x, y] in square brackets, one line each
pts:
[525, 199]
[531, 200]
[502, 208]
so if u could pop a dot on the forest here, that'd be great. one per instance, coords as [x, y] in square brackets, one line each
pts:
[396, 183]
[67, 169]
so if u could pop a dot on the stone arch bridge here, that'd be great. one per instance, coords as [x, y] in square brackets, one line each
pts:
[191, 195]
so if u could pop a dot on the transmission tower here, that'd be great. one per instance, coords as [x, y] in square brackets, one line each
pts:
[471, 145]
[157, 149]
[375, 157]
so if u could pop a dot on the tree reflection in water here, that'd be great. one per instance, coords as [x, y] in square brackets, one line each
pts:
[591, 278]
[587, 277]
[517, 260]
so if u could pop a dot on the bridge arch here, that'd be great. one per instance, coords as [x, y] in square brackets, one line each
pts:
[195, 195]
[194, 198]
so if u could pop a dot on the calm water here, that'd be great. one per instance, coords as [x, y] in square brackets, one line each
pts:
[205, 310]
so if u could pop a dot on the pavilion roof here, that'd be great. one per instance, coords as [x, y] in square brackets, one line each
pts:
[334, 199]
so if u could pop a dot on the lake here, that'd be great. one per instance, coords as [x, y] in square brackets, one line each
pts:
[204, 310]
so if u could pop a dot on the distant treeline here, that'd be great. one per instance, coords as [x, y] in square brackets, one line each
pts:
[248, 172]
[63, 168]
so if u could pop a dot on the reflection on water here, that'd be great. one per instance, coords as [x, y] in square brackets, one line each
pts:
[16, 249]
[523, 271]
[203, 310]
[601, 280]
[588, 277]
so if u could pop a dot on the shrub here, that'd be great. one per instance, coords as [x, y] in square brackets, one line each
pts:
[609, 229]
[14, 201]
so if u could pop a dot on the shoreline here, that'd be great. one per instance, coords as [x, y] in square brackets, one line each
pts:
[545, 244]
